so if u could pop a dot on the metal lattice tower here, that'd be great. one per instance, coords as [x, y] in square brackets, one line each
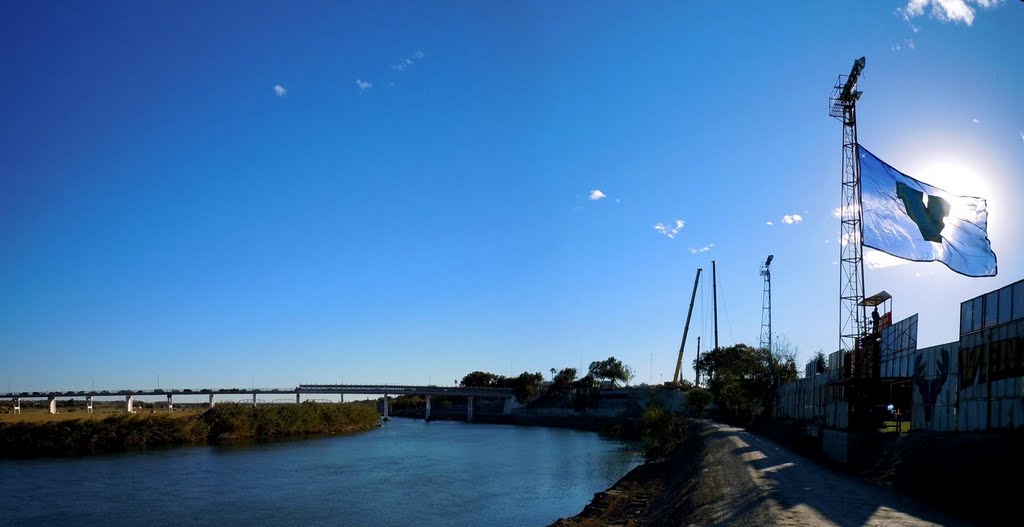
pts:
[852, 316]
[766, 305]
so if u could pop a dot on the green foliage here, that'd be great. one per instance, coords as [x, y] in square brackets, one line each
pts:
[226, 421]
[697, 401]
[820, 366]
[562, 382]
[742, 380]
[526, 386]
[661, 431]
[482, 379]
[612, 369]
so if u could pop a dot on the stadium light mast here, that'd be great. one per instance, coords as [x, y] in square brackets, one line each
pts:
[843, 107]
[766, 305]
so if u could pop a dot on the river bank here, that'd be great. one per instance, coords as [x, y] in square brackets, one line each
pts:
[227, 422]
[654, 493]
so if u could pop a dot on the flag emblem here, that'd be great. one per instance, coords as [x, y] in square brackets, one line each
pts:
[916, 221]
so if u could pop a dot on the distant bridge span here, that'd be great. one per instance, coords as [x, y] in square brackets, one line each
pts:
[332, 389]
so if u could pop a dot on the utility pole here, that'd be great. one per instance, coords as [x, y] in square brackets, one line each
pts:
[714, 294]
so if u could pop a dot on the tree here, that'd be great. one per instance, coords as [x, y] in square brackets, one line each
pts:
[526, 385]
[553, 374]
[562, 381]
[743, 380]
[481, 379]
[820, 366]
[697, 401]
[611, 369]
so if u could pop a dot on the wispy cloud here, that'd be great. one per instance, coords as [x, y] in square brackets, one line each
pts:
[1022, 135]
[279, 90]
[790, 219]
[957, 11]
[704, 249]
[975, 120]
[669, 230]
[596, 195]
[363, 85]
[404, 63]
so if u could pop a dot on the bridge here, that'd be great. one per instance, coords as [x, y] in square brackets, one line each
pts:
[387, 390]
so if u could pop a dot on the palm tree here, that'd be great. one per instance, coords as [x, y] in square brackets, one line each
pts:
[553, 374]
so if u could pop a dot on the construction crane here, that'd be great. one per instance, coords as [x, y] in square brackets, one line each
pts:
[766, 305]
[686, 329]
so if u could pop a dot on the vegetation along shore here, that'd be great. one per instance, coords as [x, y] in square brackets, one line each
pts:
[222, 423]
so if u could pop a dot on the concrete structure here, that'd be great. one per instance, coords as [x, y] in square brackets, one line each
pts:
[388, 390]
[426, 414]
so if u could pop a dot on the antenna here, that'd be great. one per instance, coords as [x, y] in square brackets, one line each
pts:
[766, 305]
[852, 315]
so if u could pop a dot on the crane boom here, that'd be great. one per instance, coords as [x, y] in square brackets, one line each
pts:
[686, 329]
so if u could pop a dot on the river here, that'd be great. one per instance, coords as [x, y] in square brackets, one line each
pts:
[407, 473]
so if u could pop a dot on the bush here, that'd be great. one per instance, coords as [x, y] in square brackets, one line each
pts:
[661, 431]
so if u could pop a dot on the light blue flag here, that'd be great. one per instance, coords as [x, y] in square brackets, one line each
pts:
[916, 221]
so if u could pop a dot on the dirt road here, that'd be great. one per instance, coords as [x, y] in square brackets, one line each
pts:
[747, 480]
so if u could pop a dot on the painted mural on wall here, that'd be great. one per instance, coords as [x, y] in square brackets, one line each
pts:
[929, 386]
[1006, 356]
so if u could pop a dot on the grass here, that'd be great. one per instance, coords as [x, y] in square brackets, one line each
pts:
[40, 415]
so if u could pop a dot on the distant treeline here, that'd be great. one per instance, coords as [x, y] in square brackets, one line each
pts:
[221, 423]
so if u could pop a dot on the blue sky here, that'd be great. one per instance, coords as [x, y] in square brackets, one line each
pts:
[221, 193]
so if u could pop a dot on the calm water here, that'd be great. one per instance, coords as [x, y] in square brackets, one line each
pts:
[407, 473]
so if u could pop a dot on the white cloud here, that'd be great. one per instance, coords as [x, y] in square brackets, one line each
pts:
[363, 85]
[668, 230]
[790, 219]
[975, 120]
[596, 195]
[1022, 136]
[769, 223]
[957, 11]
[704, 249]
[836, 212]
[279, 90]
[404, 63]
[910, 43]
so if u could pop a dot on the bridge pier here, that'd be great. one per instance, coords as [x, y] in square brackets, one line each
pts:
[254, 399]
[17, 405]
[297, 400]
[88, 403]
[52, 404]
[386, 407]
[426, 415]
[211, 400]
[170, 404]
[507, 408]
[129, 401]
[469, 409]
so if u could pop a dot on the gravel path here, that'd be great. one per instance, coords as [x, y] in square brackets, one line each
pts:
[747, 480]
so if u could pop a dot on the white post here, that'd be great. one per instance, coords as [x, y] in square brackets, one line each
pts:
[170, 404]
[17, 405]
[469, 409]
[129, 401]
[53, 404]
[88, 404]
[211, 400]
[426, 416]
